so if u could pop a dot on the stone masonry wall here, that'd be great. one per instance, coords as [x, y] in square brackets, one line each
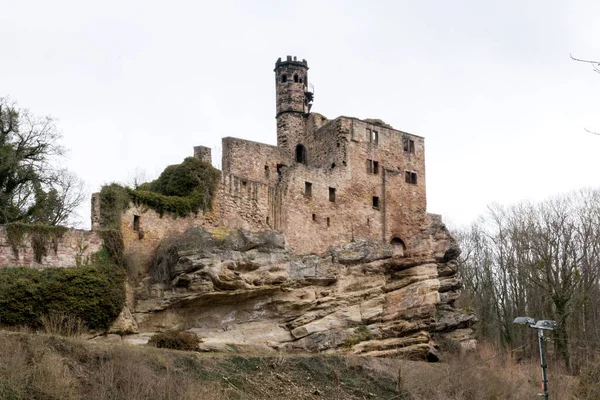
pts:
[73, 244]
[153, 228]
[337, 155]
[251, 160]
[404, 204]
[247, 204]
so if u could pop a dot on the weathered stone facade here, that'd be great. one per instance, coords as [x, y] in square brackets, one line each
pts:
[73, 247]
[326, 183]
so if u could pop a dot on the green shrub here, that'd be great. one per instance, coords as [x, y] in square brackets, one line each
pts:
[95, 294]
[361, 334]
[180, 190]
[175, 340]
[182, 180]
[114, 199]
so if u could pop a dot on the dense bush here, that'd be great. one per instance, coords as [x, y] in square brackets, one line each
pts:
[175, 340]
[95, 294]
[114, 199]
[181, 180]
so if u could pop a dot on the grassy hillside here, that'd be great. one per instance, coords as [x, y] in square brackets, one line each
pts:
[35, 366]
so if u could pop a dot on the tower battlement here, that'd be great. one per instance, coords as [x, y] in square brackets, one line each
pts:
[289, 60]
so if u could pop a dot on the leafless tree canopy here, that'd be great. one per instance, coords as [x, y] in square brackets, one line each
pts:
[33, 188]
[538, 260]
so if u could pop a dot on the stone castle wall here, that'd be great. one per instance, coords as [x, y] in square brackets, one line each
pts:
[73, 246]
[261, 188]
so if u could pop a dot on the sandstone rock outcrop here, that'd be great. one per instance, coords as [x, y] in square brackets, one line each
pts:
[235, 288]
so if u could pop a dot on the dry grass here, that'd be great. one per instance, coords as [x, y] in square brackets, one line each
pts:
[43, 367]
[61, 324]
[485, 374]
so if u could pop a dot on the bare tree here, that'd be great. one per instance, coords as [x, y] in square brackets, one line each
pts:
[32, 189]
[539, 260]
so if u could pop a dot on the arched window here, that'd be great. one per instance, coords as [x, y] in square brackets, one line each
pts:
[396, 241]
[283, 78]
[301, 154]
[296, 78]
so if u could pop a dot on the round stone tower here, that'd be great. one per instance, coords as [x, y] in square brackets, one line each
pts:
[293, 101]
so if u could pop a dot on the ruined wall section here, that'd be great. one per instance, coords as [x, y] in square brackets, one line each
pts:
[73, 247]
[251, 171]
[403, 203]
[248, 204]
[315, 223]
[143, 228]
[327, 146]
[251, 160]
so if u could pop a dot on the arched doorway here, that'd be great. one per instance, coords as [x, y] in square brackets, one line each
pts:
[301, 154]
[398, 245]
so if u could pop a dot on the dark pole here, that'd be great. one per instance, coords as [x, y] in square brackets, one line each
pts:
[543, 359]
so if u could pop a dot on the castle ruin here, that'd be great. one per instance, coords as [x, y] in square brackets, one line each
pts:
[325, 183]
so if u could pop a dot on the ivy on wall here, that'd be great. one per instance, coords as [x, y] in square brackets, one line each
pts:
[180, 190]
[41, 237]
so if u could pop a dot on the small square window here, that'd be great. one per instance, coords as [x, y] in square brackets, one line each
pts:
[376, 202]
[308, 189]
[332, 194]
[410, 177]
[372, 167]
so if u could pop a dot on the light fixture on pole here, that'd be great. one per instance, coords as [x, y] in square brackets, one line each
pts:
[541, 326]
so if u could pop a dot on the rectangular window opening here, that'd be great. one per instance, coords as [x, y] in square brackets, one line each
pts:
[372, 167]
[409, 145]
[328, 221]
[308, 189]
[369, 134]
[410, 177]
[374, 137]
[136, 223]
[314, 217]
[332, 195]
[376, 202]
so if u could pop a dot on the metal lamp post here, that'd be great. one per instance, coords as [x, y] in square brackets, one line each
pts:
[541, 326]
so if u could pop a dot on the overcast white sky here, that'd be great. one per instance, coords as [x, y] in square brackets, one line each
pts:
[489, 84]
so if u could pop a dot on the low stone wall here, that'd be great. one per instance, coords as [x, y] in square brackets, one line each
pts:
[60, 252]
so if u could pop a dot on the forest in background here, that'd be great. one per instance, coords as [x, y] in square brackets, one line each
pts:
[539, 260]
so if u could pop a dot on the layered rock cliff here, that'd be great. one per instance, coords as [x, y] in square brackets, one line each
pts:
[237, 289]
